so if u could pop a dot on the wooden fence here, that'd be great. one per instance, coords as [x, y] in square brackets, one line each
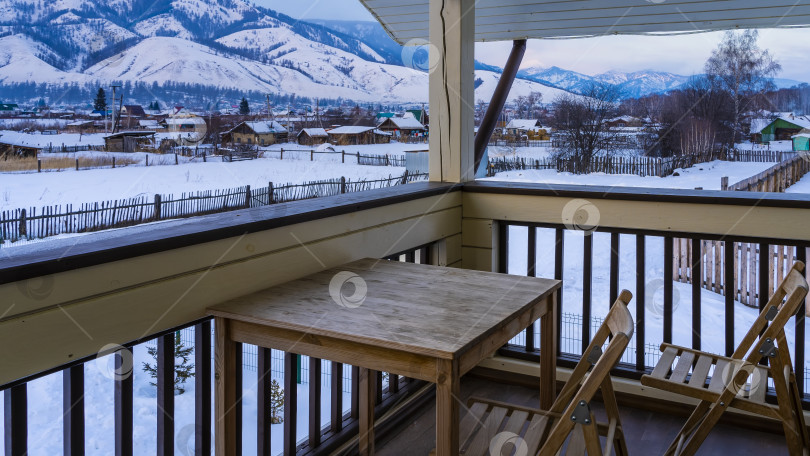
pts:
[746, 267]
[311, 154]
[777, 178]
[31, 223]
[640, 166]
[519, 143]
[746, 287]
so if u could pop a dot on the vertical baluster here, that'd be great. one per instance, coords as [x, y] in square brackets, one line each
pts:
[314, 402]
[410, 256]
[558, 275]
[503, 247]
[15, 414]
[337, 397]
[165, 395]
[238, 383]
[801, 255]
[73, 411]
[531, 268]
[641, 286]
[764, 272]
[355, 410]
[290, 402]
[587, 281]
[729, 290]
[669, 260]
[123, 402]
[696, 288]
[378, 388]
[202, 389]
[264, 401]
[614, 267]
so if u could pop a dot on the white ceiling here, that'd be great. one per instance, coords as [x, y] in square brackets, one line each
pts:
[500, 20]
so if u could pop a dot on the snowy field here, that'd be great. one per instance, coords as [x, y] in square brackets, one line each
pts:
[705, 175]
[803, 186]
[39, 140]
[86, 186]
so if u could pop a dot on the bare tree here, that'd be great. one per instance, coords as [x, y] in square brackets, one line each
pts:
[581, 122]
[741, 68]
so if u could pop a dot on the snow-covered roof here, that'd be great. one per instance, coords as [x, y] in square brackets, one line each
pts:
[79, 123]
[405, 123]
[185, 120]
[148, 123]
[801, 135]
[314, 132]
[522, 124]
[266, 127]
[356, 130]
[757, 125]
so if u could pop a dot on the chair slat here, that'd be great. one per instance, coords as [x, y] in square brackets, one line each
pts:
[471, 421]
[759, 385]
[683, 367]
[576, 444]
[537, 427]
[516, 422]
[701, 371]
[718, 383]
[665, 363]
[481, 440]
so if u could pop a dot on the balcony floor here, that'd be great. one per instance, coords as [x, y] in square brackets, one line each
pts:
[647, 433]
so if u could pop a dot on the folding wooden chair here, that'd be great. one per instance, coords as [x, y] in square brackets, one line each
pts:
[497, 428]
[740, 381]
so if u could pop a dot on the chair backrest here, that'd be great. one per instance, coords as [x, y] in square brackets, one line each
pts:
[783, 304]
[618, 325]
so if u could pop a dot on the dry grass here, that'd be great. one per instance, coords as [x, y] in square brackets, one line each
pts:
[59, 163]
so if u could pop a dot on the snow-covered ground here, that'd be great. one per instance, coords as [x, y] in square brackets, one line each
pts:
[37, 140]
[803, 186]
[86, 186]
[704, 175]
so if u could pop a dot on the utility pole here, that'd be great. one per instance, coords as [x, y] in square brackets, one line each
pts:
[114, 117]
[269, 113]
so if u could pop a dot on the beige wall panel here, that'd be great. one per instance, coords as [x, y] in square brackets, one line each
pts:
[785, 223]
[477, 259]
[477, 233]
[65, 287]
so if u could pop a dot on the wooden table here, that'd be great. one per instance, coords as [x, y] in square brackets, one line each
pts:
[424, 322]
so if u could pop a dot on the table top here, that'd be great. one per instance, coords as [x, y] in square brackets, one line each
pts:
[428, 310]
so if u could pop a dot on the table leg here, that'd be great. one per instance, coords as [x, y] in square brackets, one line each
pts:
[548, 354]
[447, 412]
[367, 396]
[225, 379]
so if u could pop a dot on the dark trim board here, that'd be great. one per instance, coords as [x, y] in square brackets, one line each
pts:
[141, 240]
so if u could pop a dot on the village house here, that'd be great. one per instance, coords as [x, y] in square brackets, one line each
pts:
[130, 141]
[312, 137]
[80, 126]
[187, 129]
[358, 135]
[261, 133]
[402, 126]
[530, 128]
[781, 128]
[9, 108]
[801, 142]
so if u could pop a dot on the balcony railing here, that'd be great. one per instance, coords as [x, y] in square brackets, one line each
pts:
[514, 228]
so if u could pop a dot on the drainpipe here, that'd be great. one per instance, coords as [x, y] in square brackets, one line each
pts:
[498, 100]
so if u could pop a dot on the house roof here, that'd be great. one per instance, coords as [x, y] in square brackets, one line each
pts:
[799, 121]
[523, 124]
[134, 110]
[314, 132]
[757, 125]
[408, 22]
[130, 134]
[265, 127]
[405, 123]
[356, 130]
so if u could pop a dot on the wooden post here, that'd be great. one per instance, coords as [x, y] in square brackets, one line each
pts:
[311, 155]
[342, 184]
[77, 164]
[724, 183]
[343, 156]
[247, 196]
[204, 160]
[39, 165]
[358, 158]
[282, 153]
[176, 161]
[113, 162]
[157, 207]
[147, 160]
[270, 195]
[23, 230]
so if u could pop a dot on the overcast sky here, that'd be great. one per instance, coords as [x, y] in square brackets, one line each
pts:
[676, 54]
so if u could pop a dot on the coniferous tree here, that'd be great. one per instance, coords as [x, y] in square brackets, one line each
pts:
[244, 107]
[183, 369]
[100, 103]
